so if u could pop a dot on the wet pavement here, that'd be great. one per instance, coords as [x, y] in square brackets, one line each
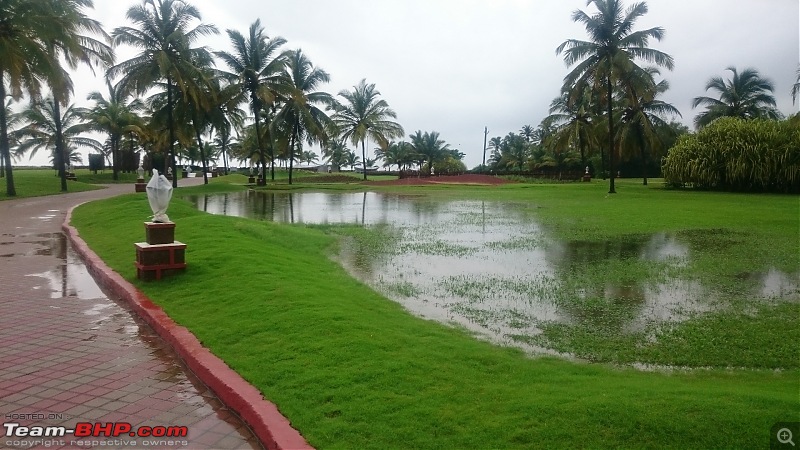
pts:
[69, 354]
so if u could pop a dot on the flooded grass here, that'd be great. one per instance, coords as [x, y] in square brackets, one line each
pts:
[510, 273]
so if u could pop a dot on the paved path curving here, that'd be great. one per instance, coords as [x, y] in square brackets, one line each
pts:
[69, 354]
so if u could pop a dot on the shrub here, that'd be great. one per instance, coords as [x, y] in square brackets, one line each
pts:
[96, 162]
[733, 154]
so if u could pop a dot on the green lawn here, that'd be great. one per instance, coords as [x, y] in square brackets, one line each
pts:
[38, 182]
[352, 369]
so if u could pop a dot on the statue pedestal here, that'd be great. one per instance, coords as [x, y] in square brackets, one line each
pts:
[155, 261]
[71, 176]
[261, 182]
[140, 185]
[587, 178]
[161, 254]
[251, 180]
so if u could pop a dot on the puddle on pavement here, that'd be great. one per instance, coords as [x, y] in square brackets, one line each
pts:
[490, 267]
[69, 277]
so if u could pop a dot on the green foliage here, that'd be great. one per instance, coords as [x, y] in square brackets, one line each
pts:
[738, 155]
[449, 165]
[96, 162]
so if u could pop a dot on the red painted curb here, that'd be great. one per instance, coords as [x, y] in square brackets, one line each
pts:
[268, 424]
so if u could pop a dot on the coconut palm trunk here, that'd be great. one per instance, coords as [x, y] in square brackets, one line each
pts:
[60, 155]
[4, 145]
[291, 149]
[364, 158]
[171, 121]
[260, 146]
[609, 99]
[202, 155]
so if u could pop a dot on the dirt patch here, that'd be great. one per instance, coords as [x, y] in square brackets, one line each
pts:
[445, 179]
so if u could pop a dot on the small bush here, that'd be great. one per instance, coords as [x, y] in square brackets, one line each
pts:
[738, 155]
[96, 162]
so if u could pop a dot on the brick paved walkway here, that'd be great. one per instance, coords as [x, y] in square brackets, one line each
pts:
[70, 354]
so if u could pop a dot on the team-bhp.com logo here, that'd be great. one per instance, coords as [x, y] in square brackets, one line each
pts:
[99, 429]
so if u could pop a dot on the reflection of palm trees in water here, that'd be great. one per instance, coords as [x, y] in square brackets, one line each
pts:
[363, 208]
[291, 208]
[60, 242]
[600, 305]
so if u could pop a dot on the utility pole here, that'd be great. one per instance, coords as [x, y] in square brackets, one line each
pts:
[485, 134]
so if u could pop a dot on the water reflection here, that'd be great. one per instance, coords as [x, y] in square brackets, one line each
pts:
[490, 267]
[69, 278]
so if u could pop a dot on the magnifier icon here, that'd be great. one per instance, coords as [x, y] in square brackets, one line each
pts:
[785, 436]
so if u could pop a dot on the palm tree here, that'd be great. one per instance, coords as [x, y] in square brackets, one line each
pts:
[45, 129]
[527, 132]
[255, 72]
[79, 48]
[164, 36]
[13, 121]
[299, 113]
[429, 148]
[643, 114]
[308, 157]
[231, 119]
[36, 37]
[572, 119]
[115, 117]
[336, 153]
[496, 144]
[365, 116]
[400, 154]
[610, 53]
[515, 151]
[796, 87]
[747, 95]
[351, 159]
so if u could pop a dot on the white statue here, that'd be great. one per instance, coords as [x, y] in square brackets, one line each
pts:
[159, 193]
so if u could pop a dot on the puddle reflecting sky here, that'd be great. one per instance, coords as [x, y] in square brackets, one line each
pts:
[489, 266]
[69, 278]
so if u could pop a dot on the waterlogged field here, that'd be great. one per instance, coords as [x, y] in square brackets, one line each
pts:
[693, 296]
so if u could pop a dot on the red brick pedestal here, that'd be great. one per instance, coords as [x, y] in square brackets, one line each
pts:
[161, 254]
[141, 186]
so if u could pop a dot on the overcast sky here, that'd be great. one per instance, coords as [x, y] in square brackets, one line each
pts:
[455, 66]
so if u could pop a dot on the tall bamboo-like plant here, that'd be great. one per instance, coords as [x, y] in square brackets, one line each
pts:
[612, 51]
[738, 155]
[162, 32]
